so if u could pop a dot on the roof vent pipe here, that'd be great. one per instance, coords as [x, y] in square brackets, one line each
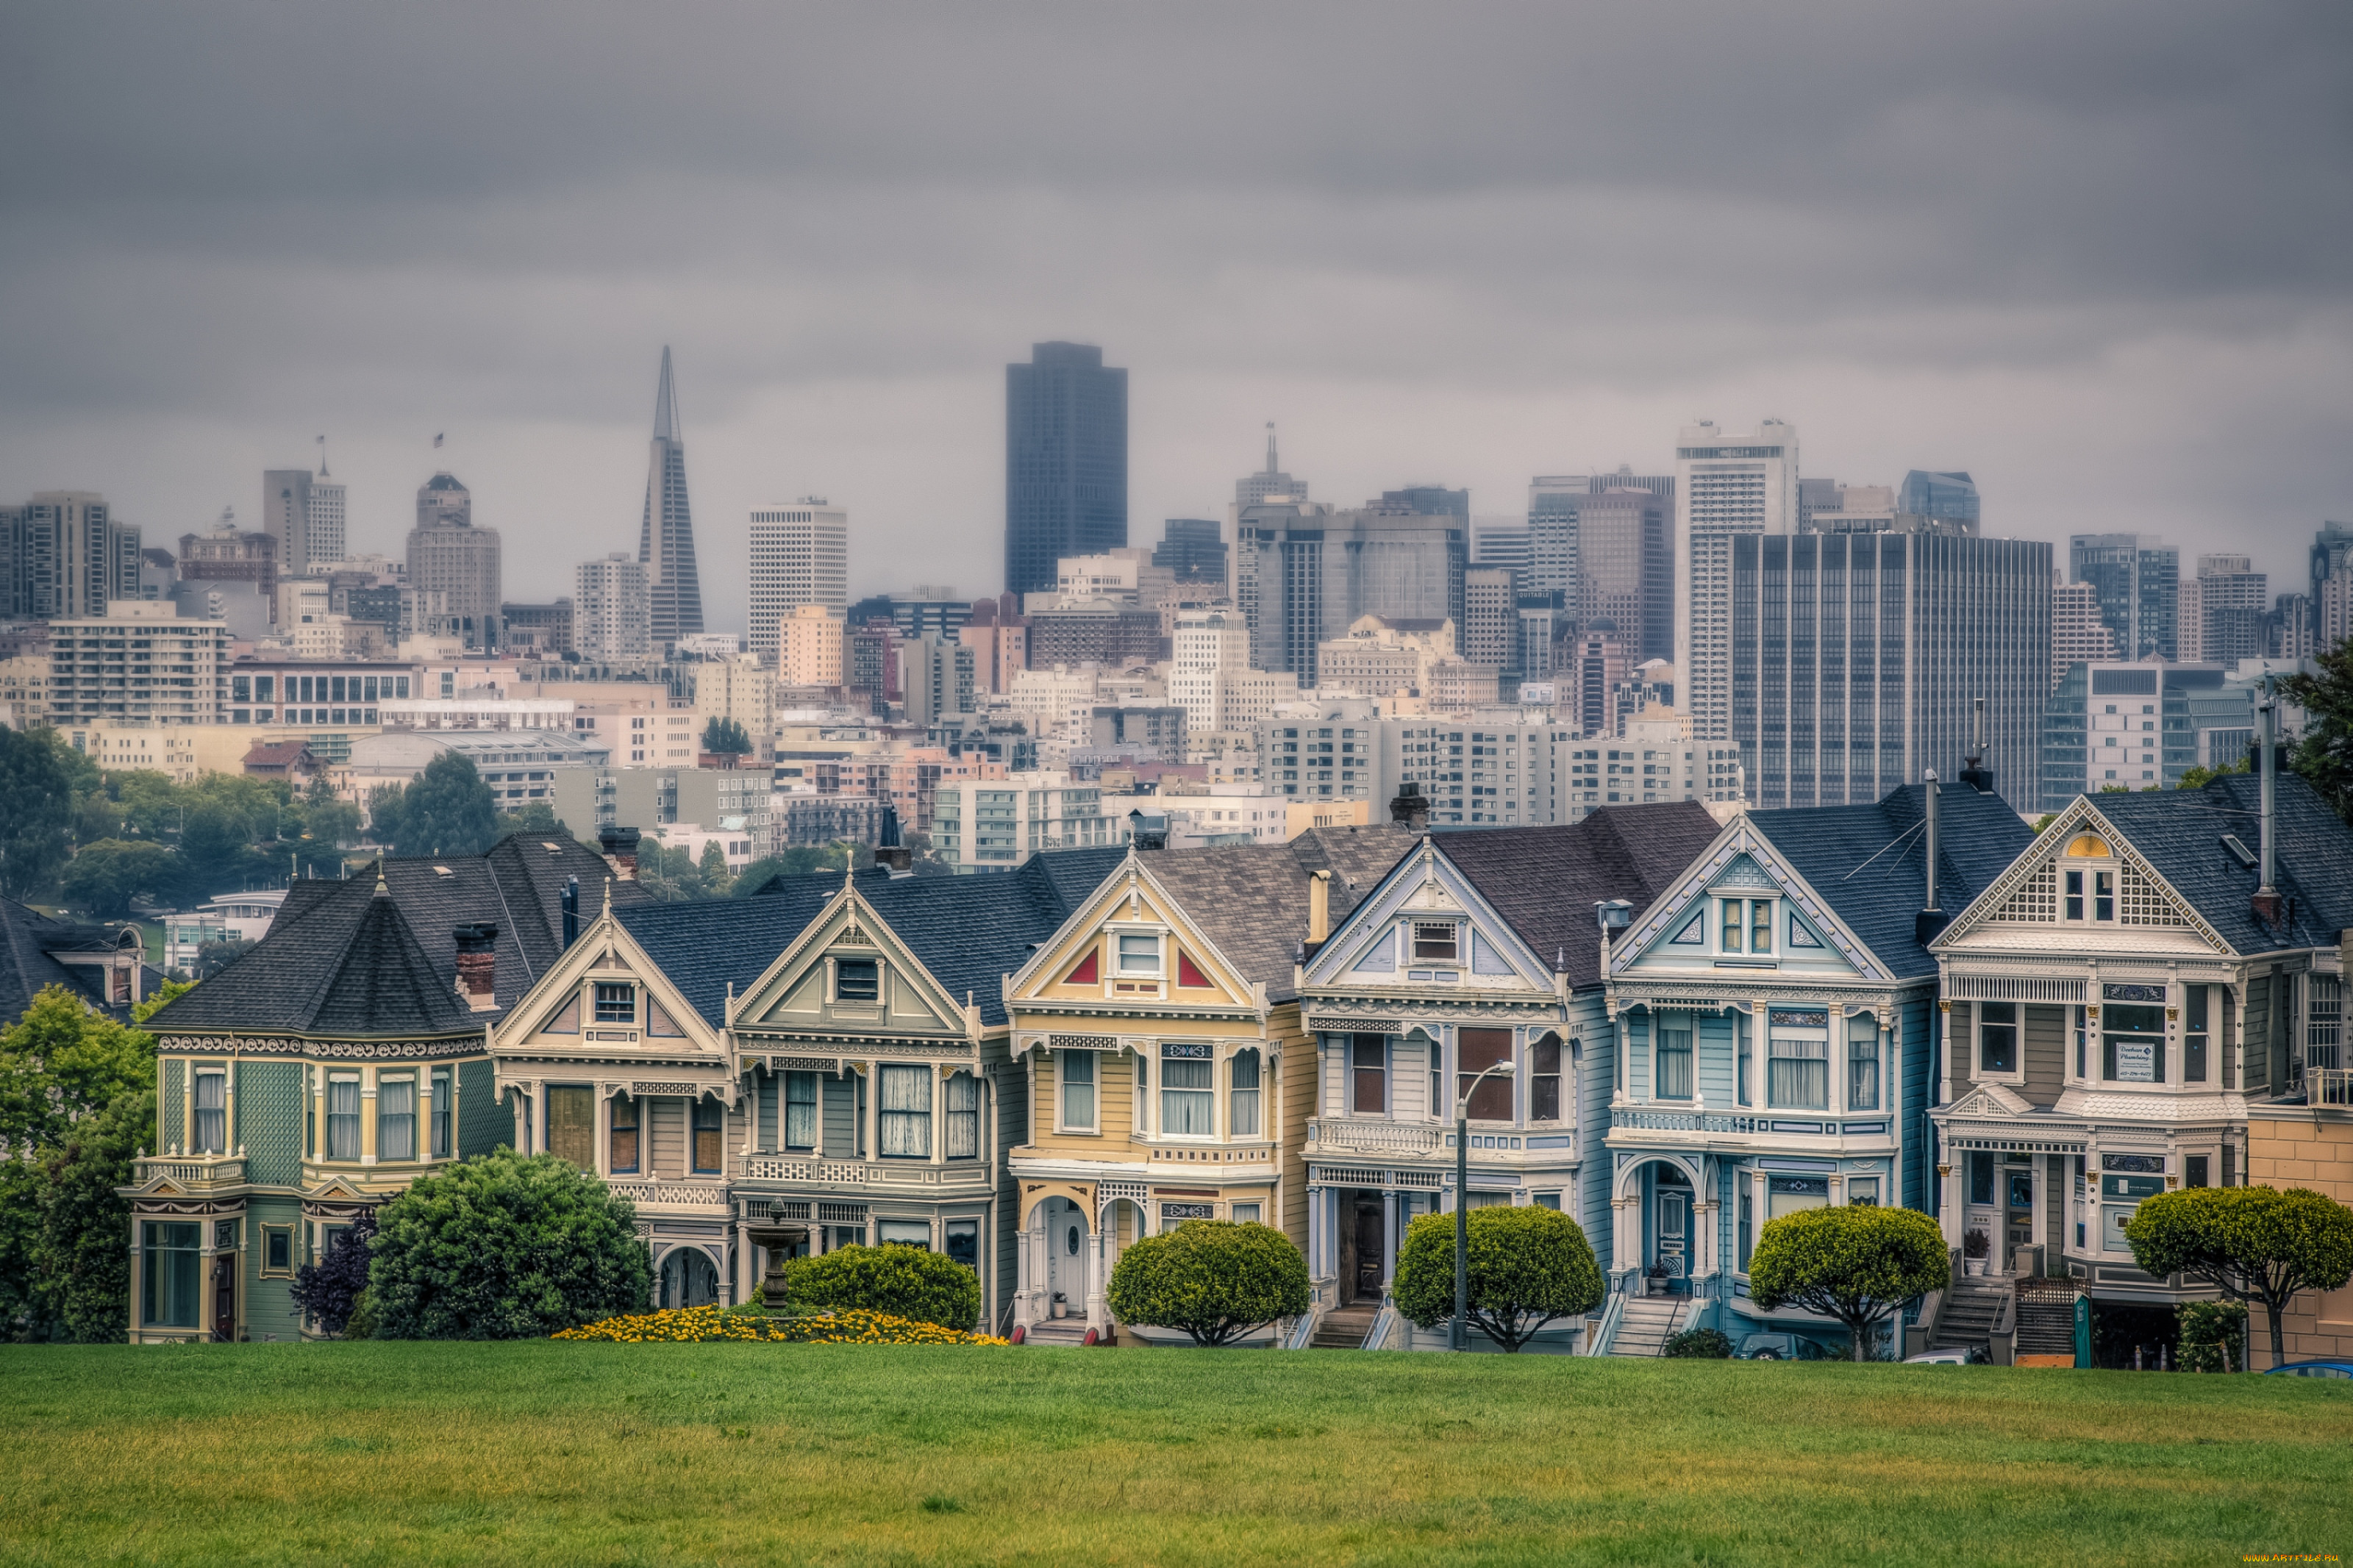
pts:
[1976, 775]
[1931, 920]
[571, 911]
[2266, 902]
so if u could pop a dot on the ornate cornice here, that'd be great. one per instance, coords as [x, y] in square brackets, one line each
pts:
[324, 1050]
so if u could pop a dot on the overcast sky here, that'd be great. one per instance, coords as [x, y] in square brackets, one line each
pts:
[2096, 254]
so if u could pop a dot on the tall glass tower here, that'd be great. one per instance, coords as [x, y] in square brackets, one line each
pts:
[1065, 462]
[666, 542]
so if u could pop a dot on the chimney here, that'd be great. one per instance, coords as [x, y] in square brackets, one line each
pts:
[1932, 921]
[1319, 909]
[2267, 904]
[571, 911]
[620, 847]
[890, 851]
[1147, 832]
[477, 963]
[1411, 809]
[1976, 775]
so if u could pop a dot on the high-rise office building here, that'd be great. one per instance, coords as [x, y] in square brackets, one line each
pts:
[1065, 462]
[2137, 578]
[2332, 585]
[1553, 501]
[1489, 632]
[800, 555]
[1625, 574]
[1304, 572]
[1194, 548]
[178, 676]
[1817, 495]
[449, 556]
[1853, 660]
[1727, 486]
[2078, 635]
[1426, 500]
[612, 611]
[2288, 630]
[1500, 542]
[2138, 725]
[1270, 480]
[62, 553]
[304, 512]
[2224, 611]
[1947, 497]
[666, 538]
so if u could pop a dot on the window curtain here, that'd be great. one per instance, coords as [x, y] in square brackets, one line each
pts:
[1862, 1064]
[1244, 1075]
[1078, 1089]
[800, 1111]
[1674, 1063]
[906, 1113]
[964, 1117]
[396, 1119]
[1796, 1075]
[212, 1113]
[1188, 1100]
[342, 1119]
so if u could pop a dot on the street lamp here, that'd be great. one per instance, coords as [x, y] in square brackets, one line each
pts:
[1462, 1202]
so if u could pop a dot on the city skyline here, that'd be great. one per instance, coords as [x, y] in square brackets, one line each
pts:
[2132, 331]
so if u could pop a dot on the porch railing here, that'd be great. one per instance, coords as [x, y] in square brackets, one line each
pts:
[1339, 1132]
[197, 1170]
[1681, 1122]
[1387, 1324]
[2329, 1086]
[859, 1173]
[672, 1194]
[1605, 1327]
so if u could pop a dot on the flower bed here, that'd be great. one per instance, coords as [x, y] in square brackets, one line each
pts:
[689, 1325]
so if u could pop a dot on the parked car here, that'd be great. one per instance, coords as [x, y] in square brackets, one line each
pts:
[1783, 1347]
[2313, 1369]
[1970, 1355]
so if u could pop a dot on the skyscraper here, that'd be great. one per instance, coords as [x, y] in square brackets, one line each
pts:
[2223, 611]
[665, 540]
[612, 611]
[1489, 632]
[1950, 497]
[2137, 578]
[304, 512]
[1304, 572]
[1726, 485]
[1553, 501]
[2078, 635]
[62, 553]
[1065, 462]
[1625, 574]
[1193, 549]
[1270, 480]
[800, 555]
[449, 556]
[2332, 585]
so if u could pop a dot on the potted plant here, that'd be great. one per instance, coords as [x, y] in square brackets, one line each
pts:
[1654, 1280]
[1976, 1248]
[1060, 1307]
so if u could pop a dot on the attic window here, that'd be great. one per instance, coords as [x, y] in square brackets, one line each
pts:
[857, 980]
[1434, 939]
[2246, 857]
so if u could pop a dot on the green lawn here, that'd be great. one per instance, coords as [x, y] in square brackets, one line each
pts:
[695, 1454]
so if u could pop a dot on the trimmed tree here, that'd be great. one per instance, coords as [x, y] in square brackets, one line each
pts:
[1528, 1267]
[727, 738]
[2252, 1244]
[902, 1281]
[1857, 1263]
[504, 1246]
[1212, 1278]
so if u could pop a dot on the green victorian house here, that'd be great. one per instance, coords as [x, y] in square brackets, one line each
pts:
[323, 1071]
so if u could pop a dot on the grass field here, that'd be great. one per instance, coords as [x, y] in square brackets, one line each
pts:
[727, 1453]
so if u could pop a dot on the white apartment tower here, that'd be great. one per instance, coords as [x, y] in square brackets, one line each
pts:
[304, 512]
[1725, 485]
[800, 555]
[2078, 635]
[612, 611]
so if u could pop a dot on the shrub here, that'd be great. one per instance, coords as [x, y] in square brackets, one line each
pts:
[900, 1282]
[504, 1247]
[1700, 1345]
[1855, 1263]
[1528, 1267]
[1215, 1279]
[698, 1325]
[2254, 1243]
[2214, 1336]
[331, 1288]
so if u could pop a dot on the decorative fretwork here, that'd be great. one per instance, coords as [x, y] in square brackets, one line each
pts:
[1083, 1042]
[340, 1050]
[2141, 902]
[2036, 901]
[2011, 988]
[643, 1088]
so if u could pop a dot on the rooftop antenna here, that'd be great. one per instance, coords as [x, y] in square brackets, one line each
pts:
[322, 457]
[1270, 447]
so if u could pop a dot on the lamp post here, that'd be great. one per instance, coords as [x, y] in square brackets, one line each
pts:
[1462, 1202]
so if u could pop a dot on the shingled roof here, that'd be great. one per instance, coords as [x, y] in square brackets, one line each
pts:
[1546, 880]
[1251, 900]
[313, 973]
[27, 940]
[1869, 862]
[2180, 834]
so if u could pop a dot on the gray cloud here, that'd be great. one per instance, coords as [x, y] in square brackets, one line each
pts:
[2095, 254]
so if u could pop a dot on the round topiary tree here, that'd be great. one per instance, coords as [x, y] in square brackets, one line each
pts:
[903, 1282]
[1528, 1267]
[504, 1246]
[1856, 1263]
[1215, 1279]
[2254, 1243]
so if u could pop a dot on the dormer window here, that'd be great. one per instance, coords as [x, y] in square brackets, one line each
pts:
[1139, 955]
[1435, 939]
[2090, 890]
[616, 1001]
[856, 979]
[1746, 925]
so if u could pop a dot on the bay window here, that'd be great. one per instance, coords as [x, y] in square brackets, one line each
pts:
[343, 1117]
[906, 1113]
[2195, 1038]
[2132, 1037]
[1369, 1076]
[171, 1274]
[623, 1135]
[396, 1119]
[1674, 1057]
[1188, 1100]
[1862, 1064]
[1476, 1051]
[707, 1151]
[1243, 1102]
[964, 1117]
[1543, 1079]
[1797, 1067]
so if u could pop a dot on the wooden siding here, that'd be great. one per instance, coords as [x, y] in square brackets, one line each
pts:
[2043, 1041]
[838, 1109]
[666, 1118]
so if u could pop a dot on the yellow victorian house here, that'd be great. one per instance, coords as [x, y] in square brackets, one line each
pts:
[1167, 1072]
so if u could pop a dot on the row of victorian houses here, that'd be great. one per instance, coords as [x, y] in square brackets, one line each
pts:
[1710, 1023]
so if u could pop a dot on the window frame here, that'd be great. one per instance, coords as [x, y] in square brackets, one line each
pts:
[815, 1107]
[907, 1125]
[635, 1129]
[1090, 1082]
[1368, 1075]
[1196, 1100]
[199, 1141]
[1863, 1049]
[1251, 1096]
[706, 1118]
[185, 1282]
[2010, 1026]
[1818, 1058]
[962, 1122]
[621, 996]
[276, 1232]
[1677, 1028]
[1493, 1088]
[389, 1122]
[1436, 935]
[443, 1114]
[869, 979]
[345, 1121]
[1544, 1076]
[1122, 950]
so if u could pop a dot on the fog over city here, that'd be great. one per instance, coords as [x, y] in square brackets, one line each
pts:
[2094, 255]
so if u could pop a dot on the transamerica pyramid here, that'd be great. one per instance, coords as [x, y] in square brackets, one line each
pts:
[666, 543]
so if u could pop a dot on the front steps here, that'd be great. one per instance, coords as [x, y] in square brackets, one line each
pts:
[1650, 1321]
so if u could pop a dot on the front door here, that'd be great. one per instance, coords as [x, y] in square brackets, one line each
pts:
[1371, 1250]
[2018, 1189]
[1674, 1228]
[1065, 1261]
[224, 1298]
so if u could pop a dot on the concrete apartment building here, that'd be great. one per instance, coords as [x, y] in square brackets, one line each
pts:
[800, 558]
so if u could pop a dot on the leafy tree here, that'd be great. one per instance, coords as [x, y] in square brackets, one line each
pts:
[2324, 755]
[796, 860]
[1699, 1344]
[904, 1281]
[331, 1288]
[537, 818]
[504, 1246]
[726, 737]
[2252, 1244]
[163, 995]
[216, 848]
[2200, 777]
[2214, 1336]
[1528, 1267]
[1857, 1263]
[103, 879]
[81, 1270]
[212, 957]
[329, 821]
[716, 879]
[445, 810]
[38, 787]
[1215, 1279]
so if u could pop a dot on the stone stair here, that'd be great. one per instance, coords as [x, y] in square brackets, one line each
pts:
[1071, 1333]
[1345, 1328]
[1969, 1312]
[1649, 1324]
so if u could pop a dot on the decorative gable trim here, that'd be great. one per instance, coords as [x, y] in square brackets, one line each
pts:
[1363, 949]
[2028, 891]
[1131, 895]
[847, 919]
[1740, 841]
[1989, 1100]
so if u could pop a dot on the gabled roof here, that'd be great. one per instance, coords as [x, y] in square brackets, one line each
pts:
[27, 938]
[2180, 834]
[517, 887]
[1869, 862]
[1546, 880]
